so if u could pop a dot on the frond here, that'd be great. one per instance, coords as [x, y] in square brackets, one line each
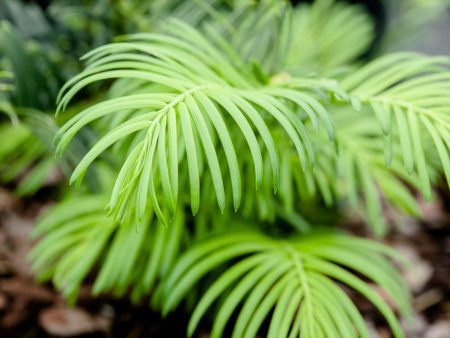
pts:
[193, 101]
[294, 283]
[350, 174]
[259, 32]
[363, 177]
[78, 236]
[353, 173]
[275, 36]
[328, 34]
[408, 93]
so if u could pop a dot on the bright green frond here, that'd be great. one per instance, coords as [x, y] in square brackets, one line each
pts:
[409, 95]
[78, 235]
[293, 283]
[363, 177]
[192, 103]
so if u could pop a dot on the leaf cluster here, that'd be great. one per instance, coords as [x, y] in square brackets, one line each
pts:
[248, 114]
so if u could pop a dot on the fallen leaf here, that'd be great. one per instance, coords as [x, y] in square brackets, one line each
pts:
[68, 322]
[428, 299]
[439, 329]
[7, 200]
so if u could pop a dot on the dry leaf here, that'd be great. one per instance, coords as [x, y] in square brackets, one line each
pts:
[67, 322]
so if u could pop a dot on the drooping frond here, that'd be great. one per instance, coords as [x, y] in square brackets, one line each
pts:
[349, 174]
[362, 176]
[293, 283]
[357, 170]
[354, 173]
[188, 101]
[409, 95]
[78, 235]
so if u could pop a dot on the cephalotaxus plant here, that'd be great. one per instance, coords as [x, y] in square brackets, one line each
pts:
[217, 141]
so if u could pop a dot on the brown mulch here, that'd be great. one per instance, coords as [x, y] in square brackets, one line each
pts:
[30, 310]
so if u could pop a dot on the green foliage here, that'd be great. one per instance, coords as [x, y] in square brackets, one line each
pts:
[260, 108]
[408, 93]
[79, 235]
[327, 35]
[15, 162]
[294, 278]
[210, 101]
[200, 96]
[36, 79]
[35, 70]
[5, 87]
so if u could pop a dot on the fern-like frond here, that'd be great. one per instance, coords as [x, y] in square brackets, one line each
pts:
[78, 235]
[351, 174]
[294, 283]
[194, 100]
[354, 173]
[327, 34]
[193, 12]
[258, 31]
[274, 35]
[363, 177]
[81, 230]
[409, 95]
